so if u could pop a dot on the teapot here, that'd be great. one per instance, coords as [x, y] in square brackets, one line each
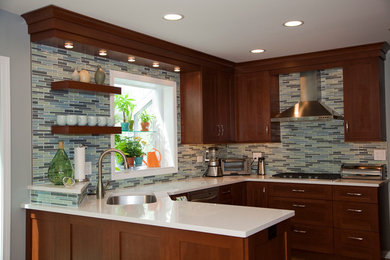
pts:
[152, 160]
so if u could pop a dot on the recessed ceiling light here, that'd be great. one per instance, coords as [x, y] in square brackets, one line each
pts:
[131, 59]
[103, 52]
[68, 45]
[257, 51]
[293, 23]
[156, 64]
[173, 17]
[176, 69]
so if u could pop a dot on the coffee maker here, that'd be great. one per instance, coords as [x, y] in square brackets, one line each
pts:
[214, 166]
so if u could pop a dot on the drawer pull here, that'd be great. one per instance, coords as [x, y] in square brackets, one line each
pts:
[294, 190]
[354, 194]
[300, 231]
[355, 210]
[356, 238]
[299, 205]
[226, 192]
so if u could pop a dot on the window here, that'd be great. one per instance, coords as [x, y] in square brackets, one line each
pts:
[153, 97]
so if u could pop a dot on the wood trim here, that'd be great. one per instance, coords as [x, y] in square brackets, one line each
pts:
[314, 60]
[75, 130]
[84, 29]
[76, 85]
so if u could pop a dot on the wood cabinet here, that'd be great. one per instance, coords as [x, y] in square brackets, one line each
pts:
[312, 225]
[207, 107]
[256, 194]
[257, 99]
[233, 194]
[63, 237]
[364, 100]
[356, 222]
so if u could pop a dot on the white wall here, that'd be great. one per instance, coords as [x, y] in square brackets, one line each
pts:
[15, 43]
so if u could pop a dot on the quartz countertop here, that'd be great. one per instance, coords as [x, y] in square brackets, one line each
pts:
[238, 221]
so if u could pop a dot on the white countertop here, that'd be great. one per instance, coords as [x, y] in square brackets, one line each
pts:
[238, 221]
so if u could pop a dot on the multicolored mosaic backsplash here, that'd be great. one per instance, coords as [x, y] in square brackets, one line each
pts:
[56, 198]
[311, 146]
[305, 146]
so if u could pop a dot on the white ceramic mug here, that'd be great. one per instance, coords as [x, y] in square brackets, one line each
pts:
[110, 121]
[82, 120]
[102, 121]
[92, 120]
[61, 120]
[71, 119]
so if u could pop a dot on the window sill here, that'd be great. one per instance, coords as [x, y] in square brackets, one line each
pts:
[135, 173]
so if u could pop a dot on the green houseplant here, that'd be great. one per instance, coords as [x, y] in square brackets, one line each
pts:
[145, 120]
[132, 148]
[125, 105]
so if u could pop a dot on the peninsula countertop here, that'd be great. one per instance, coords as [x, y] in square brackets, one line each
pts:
[238, 221]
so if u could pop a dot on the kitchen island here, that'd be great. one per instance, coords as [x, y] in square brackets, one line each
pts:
[165, 229]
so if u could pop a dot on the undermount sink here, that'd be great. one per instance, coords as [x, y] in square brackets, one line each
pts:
[131, 199]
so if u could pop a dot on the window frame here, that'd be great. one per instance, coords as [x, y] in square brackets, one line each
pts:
[149, 171]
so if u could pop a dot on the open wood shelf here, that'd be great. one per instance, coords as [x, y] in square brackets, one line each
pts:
[77, 85]
[74, 130]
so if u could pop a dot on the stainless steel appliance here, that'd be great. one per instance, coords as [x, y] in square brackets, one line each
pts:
[371, 172]
[261, 166]
[214, 167]
[301, 175]
[235, 166]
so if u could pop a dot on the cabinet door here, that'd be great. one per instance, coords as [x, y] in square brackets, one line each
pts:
[256, 194]
[225, 106]
[211, 129]
[253, 107]
[239, 194]
[364, 109]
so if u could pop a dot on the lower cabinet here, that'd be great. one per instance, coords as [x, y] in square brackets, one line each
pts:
[60, 236]
[256, 194]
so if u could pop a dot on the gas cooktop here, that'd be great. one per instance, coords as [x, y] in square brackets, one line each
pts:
[300, 175]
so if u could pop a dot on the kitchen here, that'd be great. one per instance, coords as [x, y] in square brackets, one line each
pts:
[276, 153]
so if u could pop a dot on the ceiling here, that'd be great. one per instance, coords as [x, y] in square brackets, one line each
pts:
[230, 28]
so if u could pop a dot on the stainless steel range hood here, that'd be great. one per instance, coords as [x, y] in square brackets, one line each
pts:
[310, 106]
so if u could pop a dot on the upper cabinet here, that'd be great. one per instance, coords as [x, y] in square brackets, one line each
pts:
[364, 100]
[207, 106]
[255, 93]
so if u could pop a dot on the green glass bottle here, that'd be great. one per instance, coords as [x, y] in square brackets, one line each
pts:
[60, 166]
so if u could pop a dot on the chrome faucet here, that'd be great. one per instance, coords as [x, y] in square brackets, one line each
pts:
[100, 187]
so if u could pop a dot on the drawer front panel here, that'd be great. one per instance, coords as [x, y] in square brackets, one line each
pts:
[313, 212]
[309, 191]
[357, 244]
[355, 194]
[312, 238]
[359, 216]
[225, 194]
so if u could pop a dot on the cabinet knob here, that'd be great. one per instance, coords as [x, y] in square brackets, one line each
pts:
[219, 130]
[346, 126]
[266, 129]
[223, 130]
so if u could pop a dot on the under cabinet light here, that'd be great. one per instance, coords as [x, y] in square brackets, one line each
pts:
[156, 64]
[176, 69]
[131, 59]
[68, 45]
[103, 52]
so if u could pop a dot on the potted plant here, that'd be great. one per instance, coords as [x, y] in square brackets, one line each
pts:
[125, 104]
[132, 148]
[145, 120]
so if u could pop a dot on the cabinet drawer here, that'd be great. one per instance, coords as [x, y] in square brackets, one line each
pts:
[310, 191]
[206, 195]
[358, 194]
[352, 215]
[313, 212]
[357, 244]
[312, 238]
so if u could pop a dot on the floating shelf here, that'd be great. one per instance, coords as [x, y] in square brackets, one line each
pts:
[74, 130]
[82, 86]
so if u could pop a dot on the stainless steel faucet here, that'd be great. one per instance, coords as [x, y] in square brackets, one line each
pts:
[100, 187]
